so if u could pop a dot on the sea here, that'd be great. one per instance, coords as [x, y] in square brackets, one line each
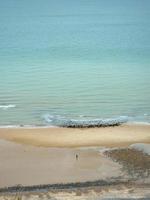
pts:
[74, 62]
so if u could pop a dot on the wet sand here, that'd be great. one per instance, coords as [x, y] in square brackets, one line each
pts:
[67, 137]
[28, 165]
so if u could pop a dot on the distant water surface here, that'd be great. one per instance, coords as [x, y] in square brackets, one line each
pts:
[74, 60]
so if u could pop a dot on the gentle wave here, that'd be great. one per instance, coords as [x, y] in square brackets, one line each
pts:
[57, 121]
[26, 126]
[86, 123]
[5, 107]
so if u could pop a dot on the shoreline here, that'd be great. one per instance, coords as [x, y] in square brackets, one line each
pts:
[21, 126]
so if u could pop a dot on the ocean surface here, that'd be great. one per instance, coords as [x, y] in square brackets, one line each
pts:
[73, 62]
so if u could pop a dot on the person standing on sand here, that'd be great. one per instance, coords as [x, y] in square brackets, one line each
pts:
[76, 156]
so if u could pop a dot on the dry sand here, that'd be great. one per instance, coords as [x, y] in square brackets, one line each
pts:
[66, 137]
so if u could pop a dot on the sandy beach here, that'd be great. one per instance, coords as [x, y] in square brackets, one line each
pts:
[35, 156]
[27, 165]
[120, 136]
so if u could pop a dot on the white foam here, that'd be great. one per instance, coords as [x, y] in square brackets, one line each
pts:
[9, 126]
[26, 126]
[48, 118]
[5, 107]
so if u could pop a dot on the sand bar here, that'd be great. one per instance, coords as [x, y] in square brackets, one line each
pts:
[66, 137]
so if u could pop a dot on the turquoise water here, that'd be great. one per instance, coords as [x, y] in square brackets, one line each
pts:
[79, 60]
